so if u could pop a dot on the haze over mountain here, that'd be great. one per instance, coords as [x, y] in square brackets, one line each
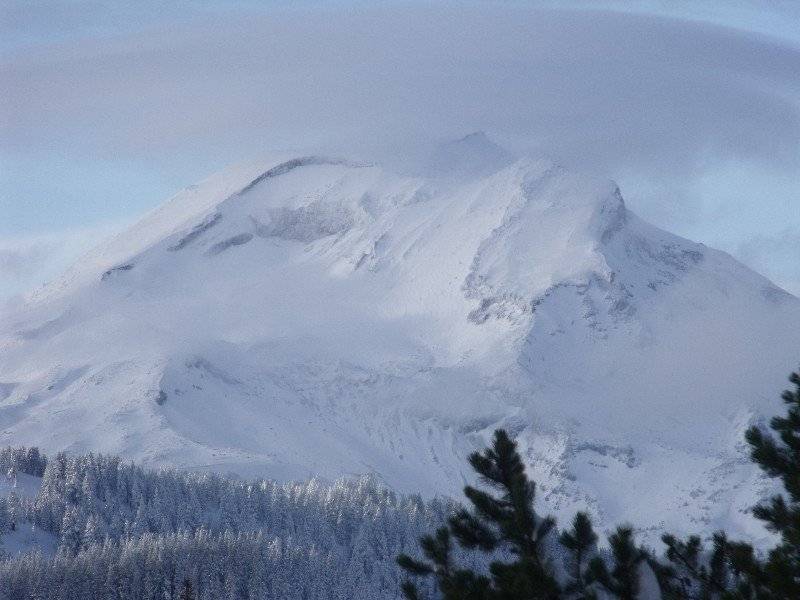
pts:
[692, 107]
[312, 316]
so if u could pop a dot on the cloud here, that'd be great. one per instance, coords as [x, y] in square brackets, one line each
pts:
[777, 257]
[659, 103]
[17, 261]
[599, 88]
[28, 262]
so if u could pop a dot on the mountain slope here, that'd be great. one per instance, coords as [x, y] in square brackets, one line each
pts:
[320, 317]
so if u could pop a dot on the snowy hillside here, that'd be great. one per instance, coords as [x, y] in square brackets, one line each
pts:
[320, 317]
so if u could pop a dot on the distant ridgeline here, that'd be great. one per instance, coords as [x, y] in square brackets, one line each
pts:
[133, 534]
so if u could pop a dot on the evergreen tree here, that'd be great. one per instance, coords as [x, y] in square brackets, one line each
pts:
[15, 511]
[692, 572]
[92, 532]
[5, 517]
[579, 542]
[71, 531]
[622, 581]
[733, 569]
[453, 583]
[187, 590]
[780, 458]
[503, 521]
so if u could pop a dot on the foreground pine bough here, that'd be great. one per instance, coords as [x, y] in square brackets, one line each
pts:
[505, 521]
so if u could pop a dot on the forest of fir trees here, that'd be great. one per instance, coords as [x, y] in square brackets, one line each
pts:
[127, 533]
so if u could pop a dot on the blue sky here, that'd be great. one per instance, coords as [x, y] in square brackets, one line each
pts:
[109, 108]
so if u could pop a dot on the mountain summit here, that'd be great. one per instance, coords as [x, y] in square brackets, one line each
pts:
[318, 317]
[474, 154]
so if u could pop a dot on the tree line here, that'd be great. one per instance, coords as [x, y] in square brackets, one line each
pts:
[123, 532]
[128, 533]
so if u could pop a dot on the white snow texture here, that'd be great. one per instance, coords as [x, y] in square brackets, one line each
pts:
[318, 317]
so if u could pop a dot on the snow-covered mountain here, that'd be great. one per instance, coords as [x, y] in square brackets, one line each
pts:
[317, 317]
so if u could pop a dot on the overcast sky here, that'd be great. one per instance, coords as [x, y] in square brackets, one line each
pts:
[107, 109]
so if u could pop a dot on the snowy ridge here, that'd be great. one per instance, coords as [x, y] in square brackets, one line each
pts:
[316, 317]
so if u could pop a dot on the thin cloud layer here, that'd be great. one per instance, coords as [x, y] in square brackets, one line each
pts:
[599, 87]
[658, 103]
[776, 256]
[28, 262]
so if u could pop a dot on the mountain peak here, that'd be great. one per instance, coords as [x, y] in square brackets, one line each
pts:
[474, 154]
[397, 321]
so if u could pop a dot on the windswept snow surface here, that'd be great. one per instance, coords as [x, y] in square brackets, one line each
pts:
[322, 317]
